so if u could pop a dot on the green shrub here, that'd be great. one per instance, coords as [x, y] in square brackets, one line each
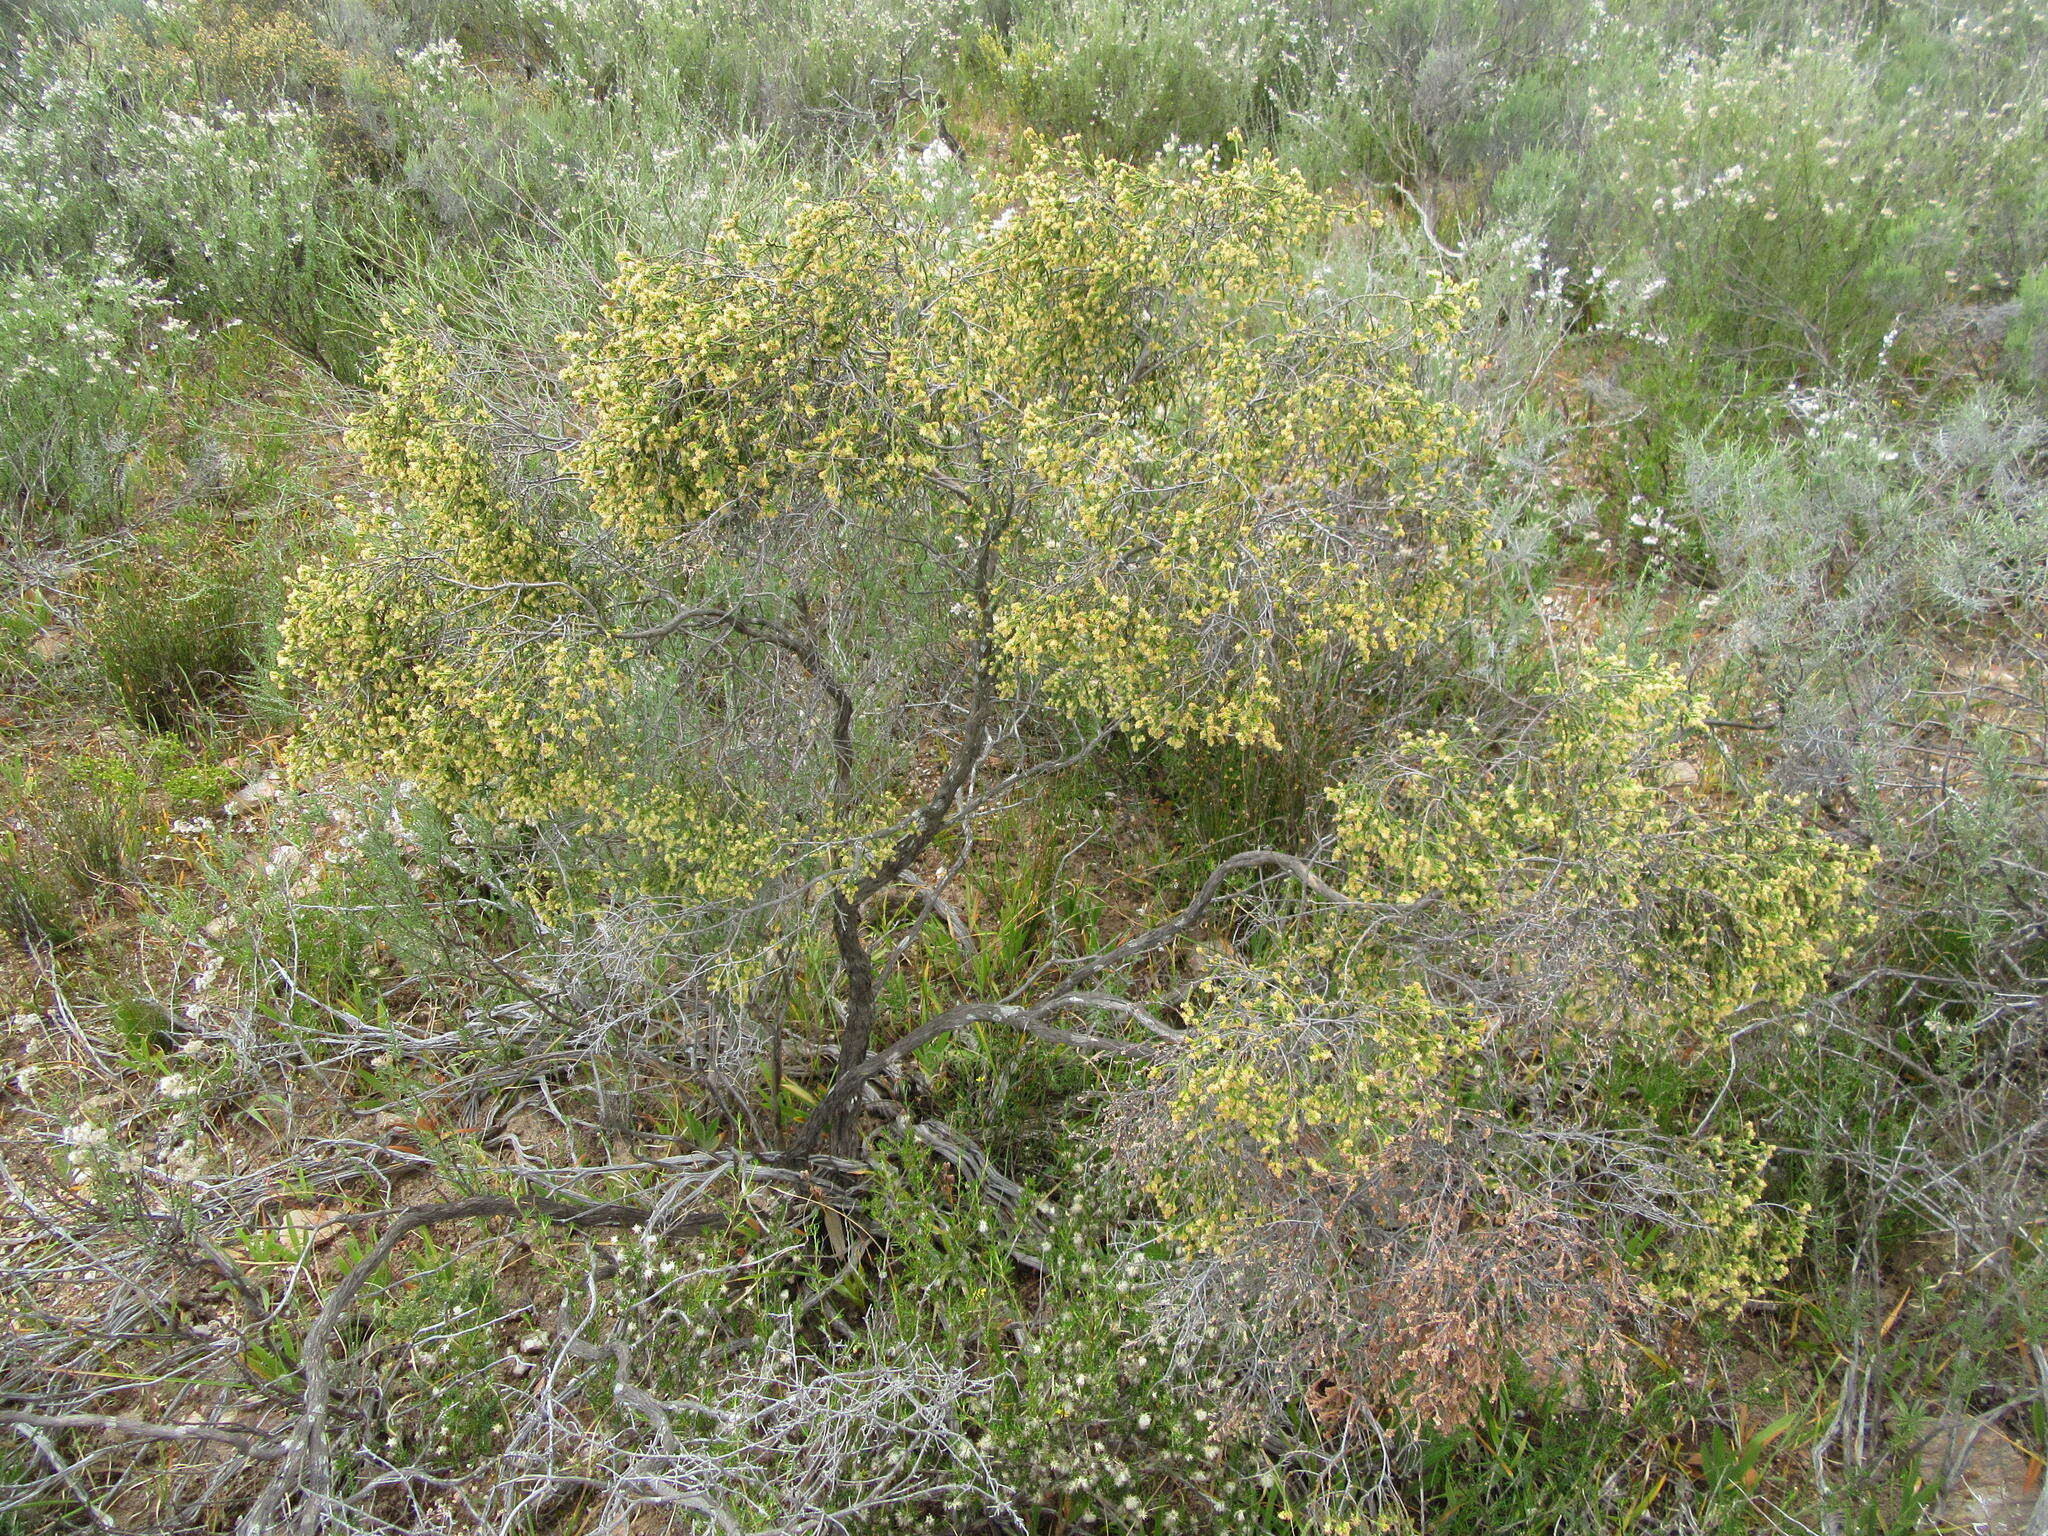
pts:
[33, 907]
[1133, 78]
[1794, 208]
[77, 828]
[82, 355]
[2026, 342]
[78, 825]
[805, 69]
[1854, 555]
[23, 621]
[175, 626]
[231, 212]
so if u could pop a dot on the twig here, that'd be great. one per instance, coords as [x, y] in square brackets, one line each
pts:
[67, 1474]
[308, 1467]
[1070, 994]
[1428, 227]
[2037, 1520]
[247, 1441]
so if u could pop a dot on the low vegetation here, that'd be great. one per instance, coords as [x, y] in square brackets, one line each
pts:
[1023, 765]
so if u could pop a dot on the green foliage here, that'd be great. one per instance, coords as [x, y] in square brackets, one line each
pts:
[78, 827]
[33, 906]
[85, 351]
[1373, 1123]
[443, 1334]
[2026, 343]
[129, 148]
[175, 630]
[1538, 1461]
[1793, 208]
[143, 1027]
[1161, 477]
[1134, 79]
[93, 813]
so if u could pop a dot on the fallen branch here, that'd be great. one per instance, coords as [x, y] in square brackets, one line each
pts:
[308, 1467]
[250, 1442]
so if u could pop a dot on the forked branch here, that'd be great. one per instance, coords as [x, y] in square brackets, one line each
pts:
[1073, 994]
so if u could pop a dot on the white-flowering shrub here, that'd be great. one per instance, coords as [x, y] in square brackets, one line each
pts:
[81, 353]
[1801, 202]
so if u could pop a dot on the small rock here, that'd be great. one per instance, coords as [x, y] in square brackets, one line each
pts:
[1988, 1487]
[251, 795]
[308, 1228]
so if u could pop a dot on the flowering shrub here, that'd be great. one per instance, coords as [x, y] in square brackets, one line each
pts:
[1832, 542]
[228, 201]
[1399, 1150]
[1798, 205]
[81, 356]
[1102, 645]
[1158, 476]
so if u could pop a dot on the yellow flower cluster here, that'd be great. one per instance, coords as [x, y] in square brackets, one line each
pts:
[1735, 1244]
[712, 383]
[1728, 902]
[1331, 1079]
[1202, 474]
[1297, 1080]
[449, 644]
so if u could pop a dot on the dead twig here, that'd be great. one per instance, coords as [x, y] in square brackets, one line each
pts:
[308, 1467]
[250, 1442]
